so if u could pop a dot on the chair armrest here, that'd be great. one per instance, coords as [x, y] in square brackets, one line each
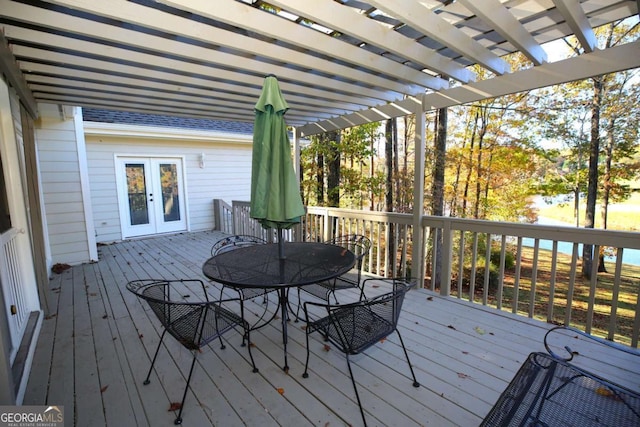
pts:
[570, 353]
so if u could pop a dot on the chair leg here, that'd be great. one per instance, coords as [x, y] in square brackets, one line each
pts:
[244, 336]
[298, 308]
[247, 332]
[178, 419]
[306, 364]
[415, 382]
[353, 381]
[146, 381]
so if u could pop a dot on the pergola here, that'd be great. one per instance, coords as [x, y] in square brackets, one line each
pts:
[340, 63]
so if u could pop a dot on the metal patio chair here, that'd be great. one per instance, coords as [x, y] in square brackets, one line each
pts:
[358, 244]
[194, 324]
[547, 390]
[355, 327]
[235, 242]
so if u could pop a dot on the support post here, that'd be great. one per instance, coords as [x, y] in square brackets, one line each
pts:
[417, 257]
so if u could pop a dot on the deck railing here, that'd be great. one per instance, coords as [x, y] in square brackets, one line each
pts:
[11, 279]
[531, 270]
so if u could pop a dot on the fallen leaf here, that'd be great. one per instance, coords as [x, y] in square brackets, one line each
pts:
[281, 390]
[479, 330]
[465, 352]
[429, 298]
[461, 375]
[105, 316]
[383, 339]
[175, 406]
[327, 347]
[452, 327]
[141, 336]
[103, 389]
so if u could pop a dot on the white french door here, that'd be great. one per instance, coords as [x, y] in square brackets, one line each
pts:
[151, 195]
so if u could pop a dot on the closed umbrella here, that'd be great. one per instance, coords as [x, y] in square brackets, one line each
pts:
[275, 193]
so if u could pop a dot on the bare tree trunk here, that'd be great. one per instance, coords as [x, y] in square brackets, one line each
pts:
[479, 168]
[606, 186]
[333, 177]
[320, 180]
[592, 189]
[467, 182]
[453, 203]
[390, 141]
[437, 189]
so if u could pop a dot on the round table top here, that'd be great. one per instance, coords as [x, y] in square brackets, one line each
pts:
[260, 266]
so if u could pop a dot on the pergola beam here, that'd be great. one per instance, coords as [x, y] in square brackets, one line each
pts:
[495, 14]
[277, 28]
[417, 15]
[328, 13]
[597, 63]
[578, 22]
[11, 70]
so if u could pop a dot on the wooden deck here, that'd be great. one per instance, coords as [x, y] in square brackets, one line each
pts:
[95, 348]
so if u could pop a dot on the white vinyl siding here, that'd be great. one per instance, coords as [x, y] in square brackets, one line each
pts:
[226, 175]
[61, 186]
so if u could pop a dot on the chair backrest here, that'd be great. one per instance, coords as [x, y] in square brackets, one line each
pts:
[357, 326]
[358, 244]
[184, 319]
[234, 242]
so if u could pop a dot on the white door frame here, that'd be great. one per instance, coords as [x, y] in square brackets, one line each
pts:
[154, 197]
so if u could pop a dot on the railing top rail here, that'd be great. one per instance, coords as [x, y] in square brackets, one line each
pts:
[398, 218]
[592, 236]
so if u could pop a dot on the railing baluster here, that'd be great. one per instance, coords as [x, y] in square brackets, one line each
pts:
[552, 281]
[636, 322]
[503, 250]
[534, 277]
[474, 263]
[516, 282]
[572, 284]
[460, 264]
[487, 271]
[613, 320]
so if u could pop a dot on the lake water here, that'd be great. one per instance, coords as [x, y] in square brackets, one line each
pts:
[630, 256]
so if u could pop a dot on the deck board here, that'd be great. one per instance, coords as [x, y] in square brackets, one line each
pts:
[100, 335]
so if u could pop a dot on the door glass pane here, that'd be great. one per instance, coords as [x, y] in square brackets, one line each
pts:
[137, 192]
[169, 182]
[5, 217]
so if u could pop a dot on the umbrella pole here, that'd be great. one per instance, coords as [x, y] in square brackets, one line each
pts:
[280, 243]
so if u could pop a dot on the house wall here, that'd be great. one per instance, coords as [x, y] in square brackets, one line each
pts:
[226, 173]
[64, 185]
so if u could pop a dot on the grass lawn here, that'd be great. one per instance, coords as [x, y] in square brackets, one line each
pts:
[603, 312]
[621, 216]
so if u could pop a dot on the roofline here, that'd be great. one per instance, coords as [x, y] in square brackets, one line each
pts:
[165, 133]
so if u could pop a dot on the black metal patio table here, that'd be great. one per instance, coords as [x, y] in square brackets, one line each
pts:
[260, 266]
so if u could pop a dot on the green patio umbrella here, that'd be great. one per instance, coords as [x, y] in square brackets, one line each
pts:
[275, 192]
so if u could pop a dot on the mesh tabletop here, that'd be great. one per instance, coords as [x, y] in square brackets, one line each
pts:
[549, 392]
[260, 266]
